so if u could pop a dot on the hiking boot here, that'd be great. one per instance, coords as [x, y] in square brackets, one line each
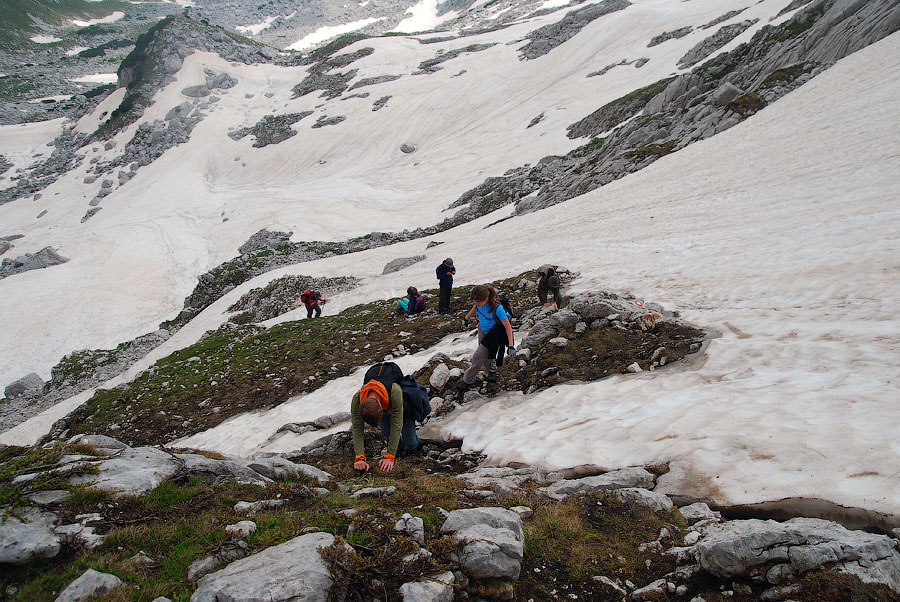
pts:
[492, 377]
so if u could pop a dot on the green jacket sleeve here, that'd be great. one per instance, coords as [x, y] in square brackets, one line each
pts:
[356, 422]
[396, 409]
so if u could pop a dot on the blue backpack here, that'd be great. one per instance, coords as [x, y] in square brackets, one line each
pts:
[415, 399]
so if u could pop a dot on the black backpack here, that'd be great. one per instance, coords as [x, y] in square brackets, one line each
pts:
[415, 396]
[504, 301]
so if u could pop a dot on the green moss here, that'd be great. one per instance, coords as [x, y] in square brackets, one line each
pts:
[651, 150]
[747, 104]
[322, 53]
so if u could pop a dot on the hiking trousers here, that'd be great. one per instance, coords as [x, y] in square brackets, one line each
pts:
[444, 298]
[316, 308]
[481, 360]
[408, 438]
[557, 298]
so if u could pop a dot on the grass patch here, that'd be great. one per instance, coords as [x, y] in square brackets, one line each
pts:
[747, 104]
[596, 534]
[651, 150]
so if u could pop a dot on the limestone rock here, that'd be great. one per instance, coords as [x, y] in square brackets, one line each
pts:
[496, 541]
[91, 583]
[401, 262]
[135, 471]
[734, 547]
[616, 479]
[273, 574]
[27, 384]
[657, 502]
[21, 542]
[437, 589]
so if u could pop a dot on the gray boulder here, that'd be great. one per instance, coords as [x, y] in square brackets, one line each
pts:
[657, 502]
[135, 471]
[195, 464]
[29, 383]
[273, 574]
[616, 479]
[196, 91]
[734, 547]
[24, 540]
[496, 541]
[440, 376]
[412, 526]
[725, 94]
[401, 262]
[437, 589]
[278, 468]
[91, 583]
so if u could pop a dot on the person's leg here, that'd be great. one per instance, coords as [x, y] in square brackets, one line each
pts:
[409, 440]
[542, 295]
[444, 299]
[492, 369]
[318, 310]
[479, 361]
[309, 311]
[557, 297]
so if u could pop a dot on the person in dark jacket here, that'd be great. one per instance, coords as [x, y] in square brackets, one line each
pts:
[445, 273]
[548, 283]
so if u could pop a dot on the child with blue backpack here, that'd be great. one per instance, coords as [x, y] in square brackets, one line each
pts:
[494, 333]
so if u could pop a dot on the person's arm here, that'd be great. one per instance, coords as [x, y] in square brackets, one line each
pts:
[396, 408]
[359, 441]
[509, 332]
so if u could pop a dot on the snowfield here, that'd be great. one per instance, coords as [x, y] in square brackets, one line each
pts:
[779, 237]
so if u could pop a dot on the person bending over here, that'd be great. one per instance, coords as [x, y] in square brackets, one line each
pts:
[373, 405]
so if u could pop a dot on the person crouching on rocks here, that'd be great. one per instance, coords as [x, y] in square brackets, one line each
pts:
[494, 333]
[373, 405]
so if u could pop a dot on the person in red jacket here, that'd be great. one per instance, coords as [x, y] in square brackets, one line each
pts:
[311, 300]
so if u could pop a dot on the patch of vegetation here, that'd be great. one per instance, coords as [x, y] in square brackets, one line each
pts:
[370, 564]
[747, 104]
[841, 587]
[13, 87]
[588, 149]
[786, 75]
[237, 369]
[21, 18]
[324, 52]
[23, 461]
[651, 150]
[592, 535]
